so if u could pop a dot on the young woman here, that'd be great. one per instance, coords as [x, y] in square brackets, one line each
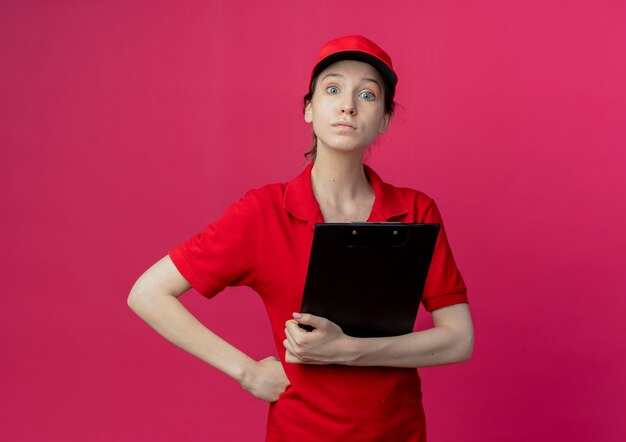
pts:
[326, 385]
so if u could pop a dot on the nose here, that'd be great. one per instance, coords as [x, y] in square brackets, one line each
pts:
[348, 107]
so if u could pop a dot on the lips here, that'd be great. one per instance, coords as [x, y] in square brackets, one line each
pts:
[344, 124]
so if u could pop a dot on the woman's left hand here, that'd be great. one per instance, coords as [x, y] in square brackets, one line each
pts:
[326, 344]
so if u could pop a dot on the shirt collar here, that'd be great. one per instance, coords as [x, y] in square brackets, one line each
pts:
[300, 201]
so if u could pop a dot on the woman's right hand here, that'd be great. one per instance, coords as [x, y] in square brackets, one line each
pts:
[265, 379]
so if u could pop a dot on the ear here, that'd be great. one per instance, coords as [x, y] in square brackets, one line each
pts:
[308, 113]
[384, 125]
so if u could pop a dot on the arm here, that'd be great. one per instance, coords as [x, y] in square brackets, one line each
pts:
[451, 340]
[154, 297]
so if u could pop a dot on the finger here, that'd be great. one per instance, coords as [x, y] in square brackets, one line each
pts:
[312, 320]
[296, 332]
[295, 347]
[293, 335]
[290, 355]
[292, 359]
[295, 351]
[289, 346]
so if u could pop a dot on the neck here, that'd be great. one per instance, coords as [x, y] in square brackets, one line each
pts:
[338, 177]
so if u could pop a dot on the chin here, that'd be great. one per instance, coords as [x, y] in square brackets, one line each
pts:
[343, 146]
[346, 149]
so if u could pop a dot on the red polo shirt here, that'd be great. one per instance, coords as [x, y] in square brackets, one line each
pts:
[263, 241]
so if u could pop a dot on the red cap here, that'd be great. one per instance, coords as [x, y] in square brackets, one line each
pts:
[359, 48]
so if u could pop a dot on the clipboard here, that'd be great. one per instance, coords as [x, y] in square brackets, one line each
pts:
[368, 278]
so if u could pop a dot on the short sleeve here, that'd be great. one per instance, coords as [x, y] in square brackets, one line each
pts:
[444, 284]
[225, 253]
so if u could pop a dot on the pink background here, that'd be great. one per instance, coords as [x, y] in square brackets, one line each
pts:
[126, 127]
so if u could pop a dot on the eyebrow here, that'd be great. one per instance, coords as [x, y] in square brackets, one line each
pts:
[373, 80]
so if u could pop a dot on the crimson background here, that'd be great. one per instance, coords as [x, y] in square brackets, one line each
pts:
[126, 126]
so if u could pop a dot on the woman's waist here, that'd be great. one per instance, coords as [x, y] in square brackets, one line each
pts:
[342, 401]
[347, 386]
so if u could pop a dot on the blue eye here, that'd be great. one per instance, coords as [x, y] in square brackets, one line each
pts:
[332, 90]
[368, 96]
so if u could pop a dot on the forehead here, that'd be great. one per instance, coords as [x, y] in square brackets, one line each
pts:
[353, 69]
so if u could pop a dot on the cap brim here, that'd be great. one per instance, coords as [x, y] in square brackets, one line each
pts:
[384, 70]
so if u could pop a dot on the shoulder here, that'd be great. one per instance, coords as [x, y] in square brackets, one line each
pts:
[268, 194]
[424, 207]
[398, 195]
[419, 205]
[262, 203]
[409, 194]
[293, 196]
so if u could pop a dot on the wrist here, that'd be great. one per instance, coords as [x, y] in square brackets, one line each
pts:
[245, 371]
[352, 349]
